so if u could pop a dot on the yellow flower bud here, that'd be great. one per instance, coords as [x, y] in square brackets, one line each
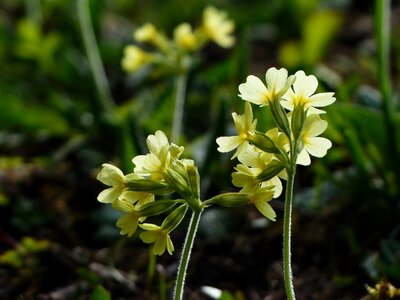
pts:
[134, 58]
[146, 33]
[184, 38]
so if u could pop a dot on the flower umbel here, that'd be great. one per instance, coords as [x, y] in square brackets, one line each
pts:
[267, 158]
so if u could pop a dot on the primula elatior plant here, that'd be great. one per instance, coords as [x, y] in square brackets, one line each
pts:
[177, 55]
[265, 160]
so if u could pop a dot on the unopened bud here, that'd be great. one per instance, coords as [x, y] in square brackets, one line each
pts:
[229, 199]
[156, 207]
[173, 220]
[273, 169]
[298, 118]
[280, 117]
[147, 185]
[263, 142]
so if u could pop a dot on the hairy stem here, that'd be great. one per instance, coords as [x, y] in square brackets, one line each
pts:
[176, 130]
[287, 232]
[185, 256]
[96, 66]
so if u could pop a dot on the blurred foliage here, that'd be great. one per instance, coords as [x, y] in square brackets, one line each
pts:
[54, 135]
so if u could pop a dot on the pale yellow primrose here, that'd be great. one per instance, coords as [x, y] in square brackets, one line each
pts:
[217, 27]
[184, 37]
[302, 93]
[255, 91]
[260, 200]
[254, 162]
[245, 126]
[113, 177]
[134, 58]
[159, 236]
[161, 153]
[128, 222]
[313, 145]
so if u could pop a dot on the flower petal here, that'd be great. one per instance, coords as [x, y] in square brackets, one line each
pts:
[314, 126]
[276, 79]
[317, 146]
[128, 223]
[228, 143]
[110, 175]
[303, 158]
[305, 86]
[266, 209]
[254, 90]
[170, 245]
[322, 99]
[109, 195]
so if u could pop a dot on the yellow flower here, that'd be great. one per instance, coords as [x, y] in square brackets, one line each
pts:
[217, 27]
[161, 154]
[134, 58]
[184, 38]
[260, 200]
[129, 221]
[159, 236]
[255, 91]
[113, 177]
[253, 163]
[313, 145]
[146, 33]
[302, 93]
[245, 127]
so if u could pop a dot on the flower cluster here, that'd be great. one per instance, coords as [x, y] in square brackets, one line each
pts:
[265, 158]
[161, 171]
[173, 53]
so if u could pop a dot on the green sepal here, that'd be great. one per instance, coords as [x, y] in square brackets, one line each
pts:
[194, 180]
[273, 169]
[229, 199]
[156, 207]
[147, 185]
[173, 220]
[264, 143]
[178, 183]
[280, 117]
[299, 115]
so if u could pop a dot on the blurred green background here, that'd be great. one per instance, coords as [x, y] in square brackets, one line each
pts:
[56, 130]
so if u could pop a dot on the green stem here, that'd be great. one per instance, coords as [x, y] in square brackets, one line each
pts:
[185, 256]
[287, 232]
[105, 100]
[382, 31]
[181, 83]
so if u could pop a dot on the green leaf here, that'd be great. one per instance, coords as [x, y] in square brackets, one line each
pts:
[100, 293]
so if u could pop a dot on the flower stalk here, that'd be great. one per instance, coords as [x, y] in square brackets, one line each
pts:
[181, 84]
[95, 63]
[185, 256]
